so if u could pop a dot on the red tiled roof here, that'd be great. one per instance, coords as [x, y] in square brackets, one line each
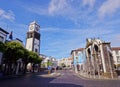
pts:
[80, 49]
[115, 48]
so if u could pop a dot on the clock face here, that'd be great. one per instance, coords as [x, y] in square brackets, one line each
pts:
[32, 27]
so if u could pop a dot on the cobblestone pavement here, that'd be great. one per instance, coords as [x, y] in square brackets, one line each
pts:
[66, 79]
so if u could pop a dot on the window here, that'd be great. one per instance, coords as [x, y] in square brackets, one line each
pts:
[1, 38]
[118, 58]
[30, 35]
[117, 52]
[36, 50]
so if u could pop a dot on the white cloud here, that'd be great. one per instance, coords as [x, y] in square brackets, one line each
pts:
[72, 38]
[9, 15]
[84, 32]
[78, 11]
[68, 9]
[115, 40]
[19, 30]
[109, 7]
[56, 6]
[59, 7]
[89, 2]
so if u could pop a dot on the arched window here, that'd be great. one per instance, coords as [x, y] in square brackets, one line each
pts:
[89, 51]
[96, 48]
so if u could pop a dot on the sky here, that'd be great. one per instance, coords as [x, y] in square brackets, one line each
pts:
[64, 24]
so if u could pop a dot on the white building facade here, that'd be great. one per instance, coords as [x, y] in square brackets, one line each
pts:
[116, 58]
[3, 36]
[66, 61]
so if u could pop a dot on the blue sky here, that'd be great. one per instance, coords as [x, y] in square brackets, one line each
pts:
[65, 24]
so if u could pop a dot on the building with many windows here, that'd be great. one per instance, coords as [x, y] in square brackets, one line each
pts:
[65, 62]
[116, 58]
[79, 59]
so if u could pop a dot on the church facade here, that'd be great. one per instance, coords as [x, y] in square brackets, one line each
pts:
[99, 58]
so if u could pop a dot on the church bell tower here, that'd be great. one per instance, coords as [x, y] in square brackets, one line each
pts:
[33, 38]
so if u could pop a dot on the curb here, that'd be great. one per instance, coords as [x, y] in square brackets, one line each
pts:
[96, 79]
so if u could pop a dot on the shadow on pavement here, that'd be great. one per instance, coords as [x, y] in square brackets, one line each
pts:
[63, 85]
[34, 80]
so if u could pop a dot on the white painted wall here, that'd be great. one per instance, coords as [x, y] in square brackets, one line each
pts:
[29, 43]
[103, 59]
[115, 57]
[4, 35]
[36, 45]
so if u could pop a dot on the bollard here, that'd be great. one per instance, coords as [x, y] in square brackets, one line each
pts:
[48, 71]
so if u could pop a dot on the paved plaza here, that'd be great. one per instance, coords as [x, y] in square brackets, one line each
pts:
[63, 78]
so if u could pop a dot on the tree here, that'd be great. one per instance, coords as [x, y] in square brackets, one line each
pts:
[34, 59]
[13, 51]
[25, 60]
[49, 63]
[63, 65]
[2, 47]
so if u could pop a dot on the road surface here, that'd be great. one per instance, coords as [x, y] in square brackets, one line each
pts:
[66, 79]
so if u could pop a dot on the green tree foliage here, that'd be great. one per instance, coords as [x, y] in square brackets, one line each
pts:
[34, 58]
[2, 47]
[13, 51]
[25, 57]
[63, 65]
[49, 63]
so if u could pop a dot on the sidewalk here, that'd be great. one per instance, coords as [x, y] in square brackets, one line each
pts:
[85, 76]
[2, 77]
[18, 75]
[41, 73]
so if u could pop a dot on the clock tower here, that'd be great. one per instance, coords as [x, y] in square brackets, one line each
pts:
[33, 38]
